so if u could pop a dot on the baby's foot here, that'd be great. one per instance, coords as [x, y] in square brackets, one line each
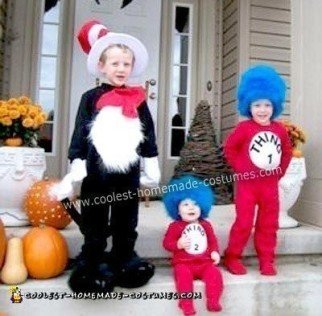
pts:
[267, 268]
[213, 306]
[187, 308]
[235, 266]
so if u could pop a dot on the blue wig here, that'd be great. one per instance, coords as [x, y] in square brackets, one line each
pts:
[261, 82]
[188, 187]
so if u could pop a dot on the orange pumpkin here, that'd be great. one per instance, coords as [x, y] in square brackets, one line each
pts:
[3, 243]
[43, 209]
[45, 252]
[297, 153]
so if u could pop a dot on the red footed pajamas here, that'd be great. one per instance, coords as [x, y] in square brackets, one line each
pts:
[260, 156]
[188, 266]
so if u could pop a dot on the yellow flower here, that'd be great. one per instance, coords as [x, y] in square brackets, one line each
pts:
[33, 112]
[22, 109]
[24, 100]
[14, 114]
[13, 106]
[44, 116]
[27, 122]
[12, 101]
[6, 121]
[3, 111]
[39, 120]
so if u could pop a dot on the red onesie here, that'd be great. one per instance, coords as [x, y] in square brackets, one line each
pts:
[197, 264]
[254, 151]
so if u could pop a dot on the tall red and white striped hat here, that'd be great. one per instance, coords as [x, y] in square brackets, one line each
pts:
[94, 38]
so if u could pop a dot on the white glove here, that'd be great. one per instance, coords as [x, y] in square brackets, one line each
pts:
[152, 172]
[215, 256]
[78, 170]
[63, 189]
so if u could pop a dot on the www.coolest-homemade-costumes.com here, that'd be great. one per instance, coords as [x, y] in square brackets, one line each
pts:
[113, 129]
[250, 149]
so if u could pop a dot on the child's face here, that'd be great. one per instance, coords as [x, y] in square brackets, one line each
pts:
[118, 66]
[189, 210]
[262, 111]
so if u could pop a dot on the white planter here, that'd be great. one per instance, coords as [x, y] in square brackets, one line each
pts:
[295, 174]
[20, 167]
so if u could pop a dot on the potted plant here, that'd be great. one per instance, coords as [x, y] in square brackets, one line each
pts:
[20, 121]
[21, 162]
[295, 175]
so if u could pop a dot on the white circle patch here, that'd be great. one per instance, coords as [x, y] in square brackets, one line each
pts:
[198, 238]
[265, 150]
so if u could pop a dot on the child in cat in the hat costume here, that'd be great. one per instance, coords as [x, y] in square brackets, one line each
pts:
[191, 239]
[259, 151]
[113, 129]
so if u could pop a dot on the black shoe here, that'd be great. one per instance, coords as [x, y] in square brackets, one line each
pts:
[92, 279]
[134, 272]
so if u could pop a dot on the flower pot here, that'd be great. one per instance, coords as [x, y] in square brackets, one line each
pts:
[13, 141]
[20, 167]
[295, 175]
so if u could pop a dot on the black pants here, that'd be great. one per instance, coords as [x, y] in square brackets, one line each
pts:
[110, 207]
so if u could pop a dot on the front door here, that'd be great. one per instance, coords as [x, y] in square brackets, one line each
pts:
[190, 70]
[141, 18]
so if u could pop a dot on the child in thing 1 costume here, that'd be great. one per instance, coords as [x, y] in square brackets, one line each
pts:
[113, 129]
[192, 241]
[260, 148]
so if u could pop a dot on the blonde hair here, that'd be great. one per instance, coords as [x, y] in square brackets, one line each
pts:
[123, 47]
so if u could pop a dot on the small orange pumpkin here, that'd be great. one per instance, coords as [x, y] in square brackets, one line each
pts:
[42, 209]
[13, 141]
[45, 252]
[297, 153]
[3, 243]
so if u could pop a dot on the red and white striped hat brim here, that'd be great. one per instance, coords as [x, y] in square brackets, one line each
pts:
[94, 38]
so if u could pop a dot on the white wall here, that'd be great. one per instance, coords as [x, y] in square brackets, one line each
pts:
[254, 31]
[306, 100]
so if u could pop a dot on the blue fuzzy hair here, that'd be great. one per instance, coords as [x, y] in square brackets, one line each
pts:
[188, 187]
[261, 82]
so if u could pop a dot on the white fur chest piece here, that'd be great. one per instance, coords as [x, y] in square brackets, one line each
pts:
[198, 238]
[116, 138]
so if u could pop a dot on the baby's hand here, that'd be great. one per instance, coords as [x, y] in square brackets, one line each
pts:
[215, 257]
[184, 243]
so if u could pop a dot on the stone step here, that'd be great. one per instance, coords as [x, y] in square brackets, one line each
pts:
[295, 291]
[153, 223]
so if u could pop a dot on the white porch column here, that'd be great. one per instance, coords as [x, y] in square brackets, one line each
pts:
[306, 102]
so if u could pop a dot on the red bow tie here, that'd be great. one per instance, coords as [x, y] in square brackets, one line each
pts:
[130, 98]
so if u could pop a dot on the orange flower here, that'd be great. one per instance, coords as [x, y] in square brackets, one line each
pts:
[13, 106]
[27, 122]
[12, 101]
[38, 120]
[24, 100]
[3, 111]
[6, 121]
[14, 114]
[22, 109]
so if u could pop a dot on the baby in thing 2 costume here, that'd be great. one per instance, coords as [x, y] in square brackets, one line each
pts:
[192, 241]
[260, 149]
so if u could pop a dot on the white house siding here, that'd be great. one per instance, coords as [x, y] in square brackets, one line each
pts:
[270, 37]
[230, 57]
[253, 31]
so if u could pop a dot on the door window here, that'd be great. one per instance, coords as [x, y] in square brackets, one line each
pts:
[179, 100]
[47, 88]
